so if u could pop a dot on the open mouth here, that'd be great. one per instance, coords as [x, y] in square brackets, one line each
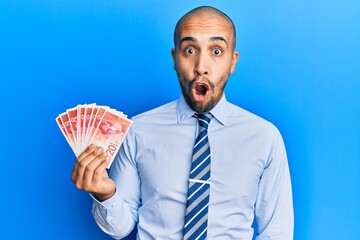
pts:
[201, 89]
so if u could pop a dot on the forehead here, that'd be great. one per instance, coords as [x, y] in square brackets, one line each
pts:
[205, 24]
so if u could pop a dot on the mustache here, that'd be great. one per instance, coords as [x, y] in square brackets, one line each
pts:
[201, 79]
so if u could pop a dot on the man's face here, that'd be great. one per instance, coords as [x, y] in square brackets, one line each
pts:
[204, 59]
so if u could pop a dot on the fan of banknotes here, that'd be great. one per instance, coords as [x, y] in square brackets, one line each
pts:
[93, 124]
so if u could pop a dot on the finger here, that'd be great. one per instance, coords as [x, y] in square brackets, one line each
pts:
[105, 186]
[90, 171]
[89, 150]
[82, 165]
[100, 172]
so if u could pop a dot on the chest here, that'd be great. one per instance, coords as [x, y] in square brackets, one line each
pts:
[164, 164]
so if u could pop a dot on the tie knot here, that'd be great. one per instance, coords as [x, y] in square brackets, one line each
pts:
[204, 119]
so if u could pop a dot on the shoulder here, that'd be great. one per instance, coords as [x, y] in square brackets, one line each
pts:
[168, 108]
[238, 116]
[158, 116]
[255, 129]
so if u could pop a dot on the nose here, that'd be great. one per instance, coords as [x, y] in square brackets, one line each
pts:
[201, 65]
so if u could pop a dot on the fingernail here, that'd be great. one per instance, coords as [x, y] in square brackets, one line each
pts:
[92, 147]
[99, 149]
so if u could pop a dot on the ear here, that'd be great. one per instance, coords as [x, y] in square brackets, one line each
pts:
[234, 59]
[173, 54]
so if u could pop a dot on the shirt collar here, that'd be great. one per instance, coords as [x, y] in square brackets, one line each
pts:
[220, 111]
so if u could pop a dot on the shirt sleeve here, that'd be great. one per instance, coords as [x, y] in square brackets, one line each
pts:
[274, 204]
[118, 215]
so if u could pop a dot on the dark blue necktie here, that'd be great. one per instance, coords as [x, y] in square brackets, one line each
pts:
[196, 216]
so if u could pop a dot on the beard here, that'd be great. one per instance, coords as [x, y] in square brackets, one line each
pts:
[205, 106]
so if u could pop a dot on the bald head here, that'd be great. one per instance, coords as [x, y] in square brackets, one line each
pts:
[204, 11]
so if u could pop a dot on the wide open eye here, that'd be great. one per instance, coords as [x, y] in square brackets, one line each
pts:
[189, 50]
[217, 51]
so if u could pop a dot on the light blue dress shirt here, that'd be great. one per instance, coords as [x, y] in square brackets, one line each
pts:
[249, 176]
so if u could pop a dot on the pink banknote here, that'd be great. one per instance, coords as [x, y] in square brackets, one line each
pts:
[65, 131]
[110, 133]
[67, 126]
[72, 115]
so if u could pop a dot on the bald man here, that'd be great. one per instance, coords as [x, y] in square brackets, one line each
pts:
[198, 167]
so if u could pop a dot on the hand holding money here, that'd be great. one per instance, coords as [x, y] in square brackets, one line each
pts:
[89, 173]
[95, 134]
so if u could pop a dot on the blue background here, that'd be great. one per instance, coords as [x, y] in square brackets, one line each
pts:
[299, 68]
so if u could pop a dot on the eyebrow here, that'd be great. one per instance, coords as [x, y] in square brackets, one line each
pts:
[192, 39]
[187, 39]
[218, 39]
